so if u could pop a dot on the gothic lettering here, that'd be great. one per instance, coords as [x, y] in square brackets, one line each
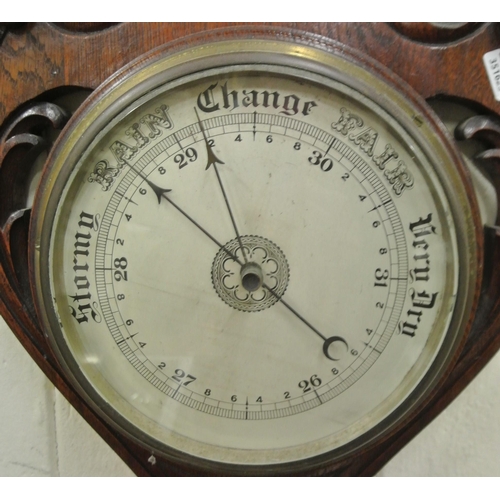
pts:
[230, 99]
[399, 178]
[104, 174]
[420, 300]
[84, 308]
[148, 127]
[266, 95]
[365, 140]
[422, 231]
[135, 132]
[349, 124]
[206, 101]
[156, 122]
[388, 154]
[217, 96]
[122, 151]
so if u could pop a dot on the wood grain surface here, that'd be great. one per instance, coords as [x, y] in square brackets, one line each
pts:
[35, 58]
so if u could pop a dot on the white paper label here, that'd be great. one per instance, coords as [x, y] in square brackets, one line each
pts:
[492, 64]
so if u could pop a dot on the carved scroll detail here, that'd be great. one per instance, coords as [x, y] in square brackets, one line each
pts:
[22, 142]
[483, 128]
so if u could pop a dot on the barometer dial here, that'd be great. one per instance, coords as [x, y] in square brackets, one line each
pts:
[253, 256]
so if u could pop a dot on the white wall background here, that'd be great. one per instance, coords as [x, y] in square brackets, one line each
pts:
[42, 435]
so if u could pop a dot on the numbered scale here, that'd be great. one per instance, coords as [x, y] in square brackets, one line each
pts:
[254, 256]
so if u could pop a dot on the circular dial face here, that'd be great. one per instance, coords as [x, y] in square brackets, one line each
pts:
[250, 264]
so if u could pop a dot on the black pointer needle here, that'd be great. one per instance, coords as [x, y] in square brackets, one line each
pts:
[212, 160]
[161, 194]
[326, 341]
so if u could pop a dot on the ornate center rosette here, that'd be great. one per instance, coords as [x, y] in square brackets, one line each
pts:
[271, 273]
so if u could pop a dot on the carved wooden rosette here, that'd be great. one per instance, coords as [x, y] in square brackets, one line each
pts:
[41, 63]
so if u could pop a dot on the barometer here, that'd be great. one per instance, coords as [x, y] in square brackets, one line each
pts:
[255, 255]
